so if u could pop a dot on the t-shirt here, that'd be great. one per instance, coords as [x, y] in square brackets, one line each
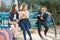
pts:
[14, 17]
[25, 12]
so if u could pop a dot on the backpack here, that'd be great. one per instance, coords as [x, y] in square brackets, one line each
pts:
[49, 18]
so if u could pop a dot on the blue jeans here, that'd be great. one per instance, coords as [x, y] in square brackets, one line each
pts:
[24, 33]
[25, 26]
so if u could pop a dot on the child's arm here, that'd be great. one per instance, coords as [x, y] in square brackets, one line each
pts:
[22, 14]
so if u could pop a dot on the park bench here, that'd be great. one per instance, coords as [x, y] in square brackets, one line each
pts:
[33, 20]
[32, 17]
[5, 33]
[4, 18]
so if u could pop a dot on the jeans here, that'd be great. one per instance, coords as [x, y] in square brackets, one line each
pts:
[39, 28]
[25, 26]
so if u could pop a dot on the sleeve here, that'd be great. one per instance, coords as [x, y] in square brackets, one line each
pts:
[27, 14]
[45, 17]
[10, 18]
[19, 15]
[38, 15]
[10, 21]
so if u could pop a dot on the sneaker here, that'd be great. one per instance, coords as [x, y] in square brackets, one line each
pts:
[45, 33]
[30, 39]
[14, 38]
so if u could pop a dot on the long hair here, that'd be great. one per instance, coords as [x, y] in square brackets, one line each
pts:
[14, 10]
[23, 7]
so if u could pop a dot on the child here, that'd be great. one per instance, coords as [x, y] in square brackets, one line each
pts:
[24, 21]
[13, 20]
[42, 20]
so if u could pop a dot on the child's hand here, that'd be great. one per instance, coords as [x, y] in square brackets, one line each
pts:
[41, 17]
[23, 15]
[12, 23]
[15, 22]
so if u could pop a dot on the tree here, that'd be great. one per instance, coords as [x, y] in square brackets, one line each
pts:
[3, 6]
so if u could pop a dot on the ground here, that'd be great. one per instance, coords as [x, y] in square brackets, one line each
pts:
[35, 36]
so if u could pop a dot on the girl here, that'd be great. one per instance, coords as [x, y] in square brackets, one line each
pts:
[24, 21]
[13, 20]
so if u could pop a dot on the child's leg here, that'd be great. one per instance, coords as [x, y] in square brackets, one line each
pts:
[12, 29]
[16, 30]
[29, 33]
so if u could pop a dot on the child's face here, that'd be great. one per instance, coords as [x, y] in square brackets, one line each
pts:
[43, 9]
[15, 7]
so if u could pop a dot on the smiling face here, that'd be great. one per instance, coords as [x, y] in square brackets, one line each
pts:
[43, 9]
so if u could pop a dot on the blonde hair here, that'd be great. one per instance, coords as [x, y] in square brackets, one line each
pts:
[23, 7]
